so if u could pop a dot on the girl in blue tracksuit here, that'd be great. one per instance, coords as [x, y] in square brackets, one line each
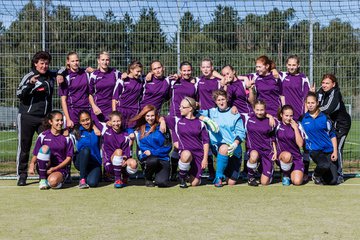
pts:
[87, 158]
[320, 141]
[225, 139]
[154, 146]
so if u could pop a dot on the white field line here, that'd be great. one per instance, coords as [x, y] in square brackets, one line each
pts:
[6, 140]
[352, 143]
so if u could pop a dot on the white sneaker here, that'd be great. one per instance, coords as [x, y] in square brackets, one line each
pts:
[43, 184]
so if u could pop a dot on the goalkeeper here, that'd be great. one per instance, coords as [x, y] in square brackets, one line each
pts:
[226, 133]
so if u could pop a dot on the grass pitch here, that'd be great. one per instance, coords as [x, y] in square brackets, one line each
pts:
[205, 212]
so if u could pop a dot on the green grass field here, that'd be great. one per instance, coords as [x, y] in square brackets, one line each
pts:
[9, 143]
[205, 212]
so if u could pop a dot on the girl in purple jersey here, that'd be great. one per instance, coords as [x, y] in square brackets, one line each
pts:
[74, 90]
[294, 86]
[127, 94]
[289, 142]
[102, 85]
[116, 150]
[184, 86]
[240, 95]
[190, 136]
[267, 84]
[52, 153]
[156, 87]
[260, 144]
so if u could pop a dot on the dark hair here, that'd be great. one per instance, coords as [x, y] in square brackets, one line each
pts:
[155, 61]
[49, 117]
[41, 55]
[115, 113]
[207, 60]
[229, 66]
[293, 57]
[185, 63]
[266, 61]
[331, 77]
[284, 108]
[311, 94]
[141, 122]
[133, 65]
[219, 92]
[259, 102]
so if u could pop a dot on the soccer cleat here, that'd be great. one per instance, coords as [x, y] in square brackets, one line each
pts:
[83, 184]
[118, 184]
[317, 180]
[218, 182]
[252, 182]
[149, 183]
[43, 184]
[286, 181]
[107, 177]
[183, 183]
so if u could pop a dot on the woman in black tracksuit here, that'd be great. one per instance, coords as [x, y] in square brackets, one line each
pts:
[331, 103]
[35, 93]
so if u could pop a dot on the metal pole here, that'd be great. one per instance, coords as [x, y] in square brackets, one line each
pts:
[178, 35]
[311, 45]
[43, 25]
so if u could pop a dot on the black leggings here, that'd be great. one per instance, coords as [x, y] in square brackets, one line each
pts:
[325, 168]
[161, 169]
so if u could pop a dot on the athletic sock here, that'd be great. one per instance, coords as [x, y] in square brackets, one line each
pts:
[251, 169]
[42, 161]
[222, 161]
[286, 168]
[174, 161]
[117, 163]
[184, 169]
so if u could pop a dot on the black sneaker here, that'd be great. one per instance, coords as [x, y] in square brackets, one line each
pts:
[252, 182]
[317, 180]
[22, 180]
[183, 183]
[174, 177]
[149, 183]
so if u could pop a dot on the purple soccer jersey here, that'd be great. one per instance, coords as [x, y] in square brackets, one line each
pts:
[285, 141]
[268, 90]
[205, 87]
[260, 138]
[155, 92]
[294, 88]
[113, 140]
[60, 146]
[102, 86]
[76, 89]
[238, 97]
[179, 90]
[191, 134]
[128, 94]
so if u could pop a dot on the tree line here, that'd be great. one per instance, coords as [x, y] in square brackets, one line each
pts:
[226, 38]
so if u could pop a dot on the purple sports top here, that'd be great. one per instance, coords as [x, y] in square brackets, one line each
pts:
[128, 93]
[259, 133]
[113, 140]
[102, 86]
[205, 87]
[268, 90]
[179, 90]
[238, 97]
[155, 92]
[76, 89]
[190, 133]
[294, 88]
[285, 140]
[60, 146]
